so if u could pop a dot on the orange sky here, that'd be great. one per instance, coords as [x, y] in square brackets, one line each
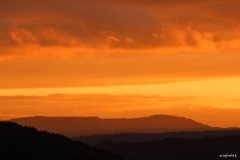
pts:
[125, 58]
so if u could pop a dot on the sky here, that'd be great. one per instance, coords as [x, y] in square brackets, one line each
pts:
[121, 59]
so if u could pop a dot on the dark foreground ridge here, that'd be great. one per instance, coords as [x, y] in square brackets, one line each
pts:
[25, 143]
[143, 137]
[77, 126]
[205, 148]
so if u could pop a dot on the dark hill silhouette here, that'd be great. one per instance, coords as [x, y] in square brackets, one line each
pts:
[205, 148]
[142, 137]
[76, 126]
[17, 142]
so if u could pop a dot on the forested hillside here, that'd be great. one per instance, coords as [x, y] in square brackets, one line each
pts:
[142, 137]
[17, 142]
[206, 148]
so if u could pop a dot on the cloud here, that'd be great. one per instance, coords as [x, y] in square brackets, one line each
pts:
[79, 43]
[90, 24]
[60, 23]
[115, 68]
[79, 105]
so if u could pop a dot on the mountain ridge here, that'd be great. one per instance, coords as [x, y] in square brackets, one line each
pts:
[77, 126]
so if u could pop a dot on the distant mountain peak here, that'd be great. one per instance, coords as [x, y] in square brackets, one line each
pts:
[76, 126]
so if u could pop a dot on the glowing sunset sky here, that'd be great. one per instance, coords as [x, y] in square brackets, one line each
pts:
[122, 58]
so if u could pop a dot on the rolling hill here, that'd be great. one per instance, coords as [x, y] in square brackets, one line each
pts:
[77, 126]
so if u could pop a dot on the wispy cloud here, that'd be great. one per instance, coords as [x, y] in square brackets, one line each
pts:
[92, 24]
[81, 105]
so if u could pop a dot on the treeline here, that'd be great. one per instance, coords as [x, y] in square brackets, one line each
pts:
[18, 142]
[142, 137]
[205, 148]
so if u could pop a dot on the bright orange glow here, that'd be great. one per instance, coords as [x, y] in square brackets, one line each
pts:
[121, 59]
